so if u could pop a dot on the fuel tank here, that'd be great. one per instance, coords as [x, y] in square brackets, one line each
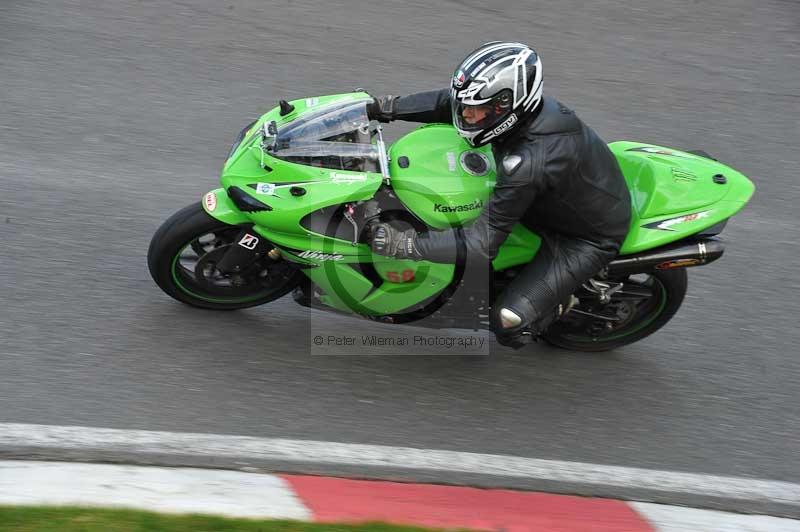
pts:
[441, 178]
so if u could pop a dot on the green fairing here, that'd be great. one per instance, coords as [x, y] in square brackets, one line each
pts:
[225, 211]
[428, 175]
[346, 289]
[672, 184]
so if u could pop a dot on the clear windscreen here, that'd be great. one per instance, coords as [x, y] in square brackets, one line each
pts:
[340, 149]
[336, 155]
[334, 136]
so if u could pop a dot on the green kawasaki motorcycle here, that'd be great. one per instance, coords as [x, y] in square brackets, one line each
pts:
[304, 183]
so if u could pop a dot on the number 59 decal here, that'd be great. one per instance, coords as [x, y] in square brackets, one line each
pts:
[400, 277]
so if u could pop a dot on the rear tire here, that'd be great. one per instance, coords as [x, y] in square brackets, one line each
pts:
[669, 289]
[192, 231]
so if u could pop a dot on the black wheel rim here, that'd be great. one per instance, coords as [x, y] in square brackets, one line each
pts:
[193, 270]
[591, 322]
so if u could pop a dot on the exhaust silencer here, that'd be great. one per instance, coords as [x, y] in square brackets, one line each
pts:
[679, 255]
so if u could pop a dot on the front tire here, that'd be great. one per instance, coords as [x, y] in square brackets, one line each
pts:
[182, 256]
[637, 318]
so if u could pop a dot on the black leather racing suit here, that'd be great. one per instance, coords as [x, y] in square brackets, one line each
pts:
[557, 177]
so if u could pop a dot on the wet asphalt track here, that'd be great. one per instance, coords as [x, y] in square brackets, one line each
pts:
[115, 114]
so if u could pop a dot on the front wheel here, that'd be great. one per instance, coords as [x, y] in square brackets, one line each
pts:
[182, 260]
[643, 303]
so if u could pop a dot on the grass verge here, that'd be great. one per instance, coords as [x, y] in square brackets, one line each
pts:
[72, 519]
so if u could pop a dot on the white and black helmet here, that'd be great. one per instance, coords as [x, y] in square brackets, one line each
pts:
[502, 81]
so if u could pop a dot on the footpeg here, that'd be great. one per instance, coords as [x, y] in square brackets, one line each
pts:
[562, 309]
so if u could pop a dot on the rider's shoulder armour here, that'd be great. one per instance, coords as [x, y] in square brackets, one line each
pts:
[517, 164]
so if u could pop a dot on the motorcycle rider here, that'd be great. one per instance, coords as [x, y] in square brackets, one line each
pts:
[554, 174]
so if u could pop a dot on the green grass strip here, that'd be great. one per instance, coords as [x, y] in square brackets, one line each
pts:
[71, 519]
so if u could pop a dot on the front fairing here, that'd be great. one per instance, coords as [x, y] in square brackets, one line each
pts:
[289, 123]
[272, 170]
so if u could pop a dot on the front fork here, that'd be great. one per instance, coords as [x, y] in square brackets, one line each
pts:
[245, 250]
[248, 246]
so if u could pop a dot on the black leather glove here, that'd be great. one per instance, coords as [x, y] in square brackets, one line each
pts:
[382, 108]
[389, 241]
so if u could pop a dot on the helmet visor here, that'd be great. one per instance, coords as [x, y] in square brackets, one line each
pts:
[477, 117]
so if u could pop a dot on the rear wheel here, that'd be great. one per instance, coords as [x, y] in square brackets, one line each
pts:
[182, 260]
[644, 303]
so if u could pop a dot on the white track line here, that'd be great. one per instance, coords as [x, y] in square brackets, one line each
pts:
[283, 450]
[678, 519]
[159, 489]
